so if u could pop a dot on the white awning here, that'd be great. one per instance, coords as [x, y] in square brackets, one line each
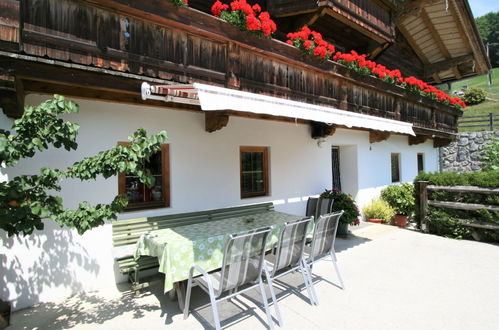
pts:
[212, 98]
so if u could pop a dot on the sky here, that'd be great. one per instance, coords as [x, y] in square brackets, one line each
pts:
[482, 7]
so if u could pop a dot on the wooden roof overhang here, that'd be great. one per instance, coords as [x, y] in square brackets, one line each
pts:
[371, 21]
[106, 49]
[444, 35]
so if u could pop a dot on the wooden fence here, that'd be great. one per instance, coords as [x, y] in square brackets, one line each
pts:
[483, 121]
[424, 202]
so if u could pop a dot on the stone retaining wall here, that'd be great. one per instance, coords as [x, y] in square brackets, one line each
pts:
[464, 154]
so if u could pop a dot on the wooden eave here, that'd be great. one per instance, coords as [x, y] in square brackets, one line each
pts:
[445, 38]
[54, 61]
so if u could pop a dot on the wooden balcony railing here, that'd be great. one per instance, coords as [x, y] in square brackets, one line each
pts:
[155, 39]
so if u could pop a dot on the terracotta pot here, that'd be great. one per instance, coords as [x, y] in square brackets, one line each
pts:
[401, 220]
[375, 220]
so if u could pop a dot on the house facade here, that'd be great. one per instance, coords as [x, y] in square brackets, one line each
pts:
[99, 54]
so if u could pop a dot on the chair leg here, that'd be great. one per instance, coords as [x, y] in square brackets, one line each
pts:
[308, 273]
[187, 298]
[274, 299]
[266, 304]
[308, 284]
[333, 257]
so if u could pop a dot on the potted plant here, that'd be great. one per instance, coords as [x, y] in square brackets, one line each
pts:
[346, 203]
[380, 210]
[401, 199]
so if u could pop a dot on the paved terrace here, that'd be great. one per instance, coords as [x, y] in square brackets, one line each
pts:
[395, 279]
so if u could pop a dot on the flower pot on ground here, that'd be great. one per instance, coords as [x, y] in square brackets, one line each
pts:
[401, 199]
[342, 229]
[401, 220]
[375, 220]
[378, 210]
[343, 202]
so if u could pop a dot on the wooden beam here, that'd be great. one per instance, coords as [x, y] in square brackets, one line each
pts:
[378, 50]
[418, 139]
[321, 130]
[361, 29]
[464, 206]
[441, 142]
[411, 8]
[12, 101]
[443, 49]
[461, 9]
[447, 64]
[378, 136]
[434, 34]
[460, 29]
[456, 72]
[215, 120]
[436, 77]
[413, 44]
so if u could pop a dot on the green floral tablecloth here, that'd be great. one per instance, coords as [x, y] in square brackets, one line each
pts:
[179, 248]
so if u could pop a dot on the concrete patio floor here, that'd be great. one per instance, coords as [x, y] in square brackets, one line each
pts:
[394, 278]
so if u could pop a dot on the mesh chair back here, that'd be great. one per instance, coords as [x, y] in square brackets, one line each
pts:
[324, 234]
[324, 206]
[311, 206]
[291, 244]
[243, 259]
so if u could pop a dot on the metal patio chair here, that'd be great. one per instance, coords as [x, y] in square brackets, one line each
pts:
[323, 244]
[288, 257]
[324, 206]
[242, 265]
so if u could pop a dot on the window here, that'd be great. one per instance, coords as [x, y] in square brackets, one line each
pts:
[420, 162]
[140, 195]
[254, 171]
[395, 167]
[335, 162]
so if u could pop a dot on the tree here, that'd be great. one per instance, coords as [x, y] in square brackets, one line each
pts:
[25, 200]
[488, 26]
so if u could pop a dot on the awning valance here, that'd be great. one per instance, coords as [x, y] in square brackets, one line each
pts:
[213, 98]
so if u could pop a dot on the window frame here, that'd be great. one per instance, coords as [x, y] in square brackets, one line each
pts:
[165, 183]
[398, 166]
[265, 169]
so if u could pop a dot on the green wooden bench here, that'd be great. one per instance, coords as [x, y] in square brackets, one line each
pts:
[127, 232]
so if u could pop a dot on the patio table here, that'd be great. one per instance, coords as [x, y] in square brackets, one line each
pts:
[179, 248]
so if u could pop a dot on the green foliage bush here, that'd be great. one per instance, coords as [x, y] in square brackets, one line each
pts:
[490, 156]
[343, 202]
[400, 198]
[474, 95]
[379, 209]
[443, 221]
[28, 199]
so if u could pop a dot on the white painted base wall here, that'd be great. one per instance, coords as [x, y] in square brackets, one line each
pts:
[204, 174]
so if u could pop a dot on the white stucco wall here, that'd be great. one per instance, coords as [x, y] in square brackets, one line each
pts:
[204, 174]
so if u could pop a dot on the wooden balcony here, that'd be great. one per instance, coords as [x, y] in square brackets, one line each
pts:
[105, 49]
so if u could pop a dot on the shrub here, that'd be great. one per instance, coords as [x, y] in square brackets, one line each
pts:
[379, 209]
[490, 156]
[400, 198]
[474, 95]
[343, 202]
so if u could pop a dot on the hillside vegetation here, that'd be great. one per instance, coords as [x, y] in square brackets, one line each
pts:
[491, 105]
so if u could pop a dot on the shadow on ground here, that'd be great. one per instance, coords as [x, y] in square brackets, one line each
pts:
[81, 309]
[97, 308]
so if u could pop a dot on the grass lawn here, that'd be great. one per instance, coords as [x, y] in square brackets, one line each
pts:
[491, 105]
